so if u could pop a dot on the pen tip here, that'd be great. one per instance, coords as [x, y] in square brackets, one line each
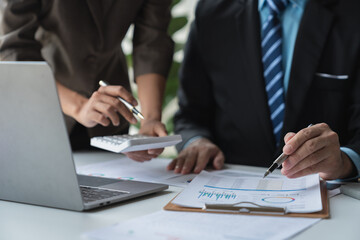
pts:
[267, 173]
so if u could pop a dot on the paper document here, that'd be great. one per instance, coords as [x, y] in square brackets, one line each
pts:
[127, 169]
[301, 195]
[241, 173]
[168, 225]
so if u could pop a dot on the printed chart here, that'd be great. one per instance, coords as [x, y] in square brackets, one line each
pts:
[296, 195]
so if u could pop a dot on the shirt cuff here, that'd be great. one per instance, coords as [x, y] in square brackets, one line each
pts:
[190, 141]
[355, 158]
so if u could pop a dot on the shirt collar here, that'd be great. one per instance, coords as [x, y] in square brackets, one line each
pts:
[298, 3]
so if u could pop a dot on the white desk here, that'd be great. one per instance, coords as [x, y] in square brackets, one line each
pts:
[22, 221]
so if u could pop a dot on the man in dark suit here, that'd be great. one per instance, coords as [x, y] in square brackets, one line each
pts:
[81, 41]
[232, 59]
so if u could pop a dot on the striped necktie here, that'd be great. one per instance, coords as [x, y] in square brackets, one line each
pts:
[272, 62]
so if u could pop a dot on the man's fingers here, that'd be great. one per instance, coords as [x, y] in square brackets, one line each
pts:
[219, 160]
[308, 162]
[99, 118]
[196, 157]
[304, 151]
[108, 111]
[155, 152]
[119, 91]
[125, 112]
[109, 97]
[189, 161]
[288, 136]
[110, 105]
[309, 170]
[301, 137]
[203, 160]
[171, 165]
[179, 164]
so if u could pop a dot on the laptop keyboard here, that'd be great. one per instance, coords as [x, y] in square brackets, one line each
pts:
[91, 194]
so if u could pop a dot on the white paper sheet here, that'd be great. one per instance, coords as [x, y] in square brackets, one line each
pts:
[127, 169]
[242, 173]
[167, 225]
[301, 195]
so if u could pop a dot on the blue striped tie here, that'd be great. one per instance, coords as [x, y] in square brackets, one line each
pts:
[272, 61]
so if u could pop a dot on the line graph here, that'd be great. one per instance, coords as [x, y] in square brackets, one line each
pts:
[216, 195]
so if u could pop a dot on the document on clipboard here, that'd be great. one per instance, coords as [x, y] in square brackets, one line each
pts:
[210, 192]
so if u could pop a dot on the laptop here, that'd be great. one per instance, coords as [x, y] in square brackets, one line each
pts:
[36, 162]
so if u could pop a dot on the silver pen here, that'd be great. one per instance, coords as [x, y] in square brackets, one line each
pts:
[277, 163]
[128, 105]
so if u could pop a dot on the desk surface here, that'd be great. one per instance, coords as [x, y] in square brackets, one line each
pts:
[22, 221]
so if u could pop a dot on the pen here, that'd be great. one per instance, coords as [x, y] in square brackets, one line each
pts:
[277, 162]
[128, 105]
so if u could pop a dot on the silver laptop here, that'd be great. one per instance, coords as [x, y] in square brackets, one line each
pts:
[36, 164]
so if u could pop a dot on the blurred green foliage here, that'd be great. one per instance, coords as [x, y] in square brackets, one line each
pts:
[176, 24]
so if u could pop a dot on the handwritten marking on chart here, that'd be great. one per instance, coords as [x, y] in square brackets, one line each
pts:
[216, 195]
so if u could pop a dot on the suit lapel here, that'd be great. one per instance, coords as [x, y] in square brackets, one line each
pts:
[248, 22]
[311, 38]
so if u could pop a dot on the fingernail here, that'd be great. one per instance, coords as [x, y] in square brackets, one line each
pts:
[133, 120]
[134, 103]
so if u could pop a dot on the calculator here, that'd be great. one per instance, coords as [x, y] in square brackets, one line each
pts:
[130, 143]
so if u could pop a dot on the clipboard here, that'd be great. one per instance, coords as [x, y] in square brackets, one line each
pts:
[258, 210]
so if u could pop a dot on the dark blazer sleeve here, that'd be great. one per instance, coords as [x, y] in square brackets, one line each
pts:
[354, 110]
[195, 115]
[18, 25]
[152, 46]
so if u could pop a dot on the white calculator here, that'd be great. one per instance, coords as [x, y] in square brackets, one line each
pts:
[130, 143]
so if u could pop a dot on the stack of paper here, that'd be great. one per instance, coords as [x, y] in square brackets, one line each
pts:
[301, 195]
[127, 169]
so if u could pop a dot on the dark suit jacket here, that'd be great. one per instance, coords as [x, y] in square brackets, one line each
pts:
[81, 41]
[222, 94]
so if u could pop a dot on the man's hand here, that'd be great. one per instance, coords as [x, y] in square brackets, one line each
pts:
[103, 107]
[150, 128]
[196, 156]
[315, 149]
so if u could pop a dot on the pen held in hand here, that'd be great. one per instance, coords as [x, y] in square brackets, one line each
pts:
[278, 162]
[128, 105]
